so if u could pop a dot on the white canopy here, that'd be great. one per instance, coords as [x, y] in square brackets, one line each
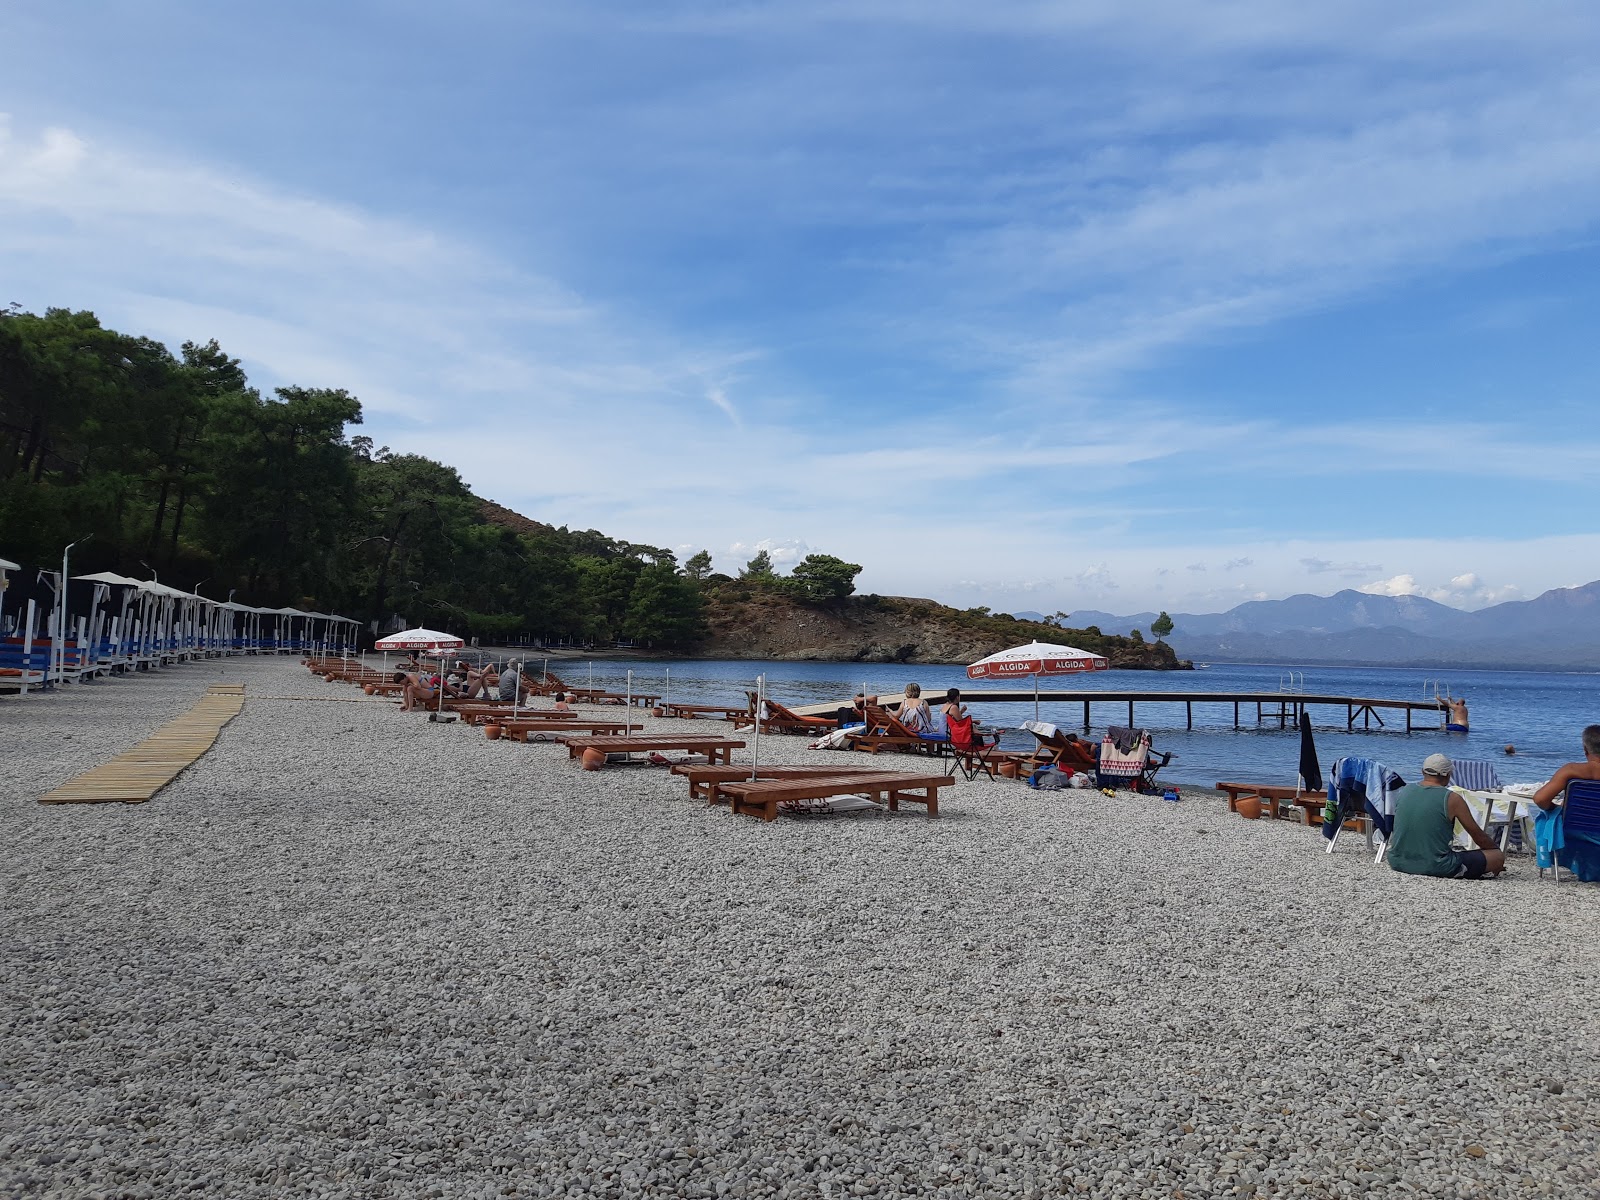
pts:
[7, 565]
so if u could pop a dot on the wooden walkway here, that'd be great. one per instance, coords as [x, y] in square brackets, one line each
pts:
[133, 777]
[1281, 709]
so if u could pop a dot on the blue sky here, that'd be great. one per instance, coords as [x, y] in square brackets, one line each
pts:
[1032, 305]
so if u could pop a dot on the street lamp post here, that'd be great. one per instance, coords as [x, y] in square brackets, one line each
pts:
[61, 613]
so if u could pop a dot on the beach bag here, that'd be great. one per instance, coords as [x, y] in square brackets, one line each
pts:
[1048, 779]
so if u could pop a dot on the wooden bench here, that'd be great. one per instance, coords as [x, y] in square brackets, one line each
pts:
[526, 731]
[762, 798]
[1309, 804]
[717, 750]
[706, 781]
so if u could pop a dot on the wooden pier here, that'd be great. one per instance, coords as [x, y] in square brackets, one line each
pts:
[1282, 709]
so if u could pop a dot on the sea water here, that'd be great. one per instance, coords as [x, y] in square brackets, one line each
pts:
[1541, 713]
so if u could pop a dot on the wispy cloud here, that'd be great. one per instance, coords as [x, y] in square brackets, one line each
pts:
[836, 274]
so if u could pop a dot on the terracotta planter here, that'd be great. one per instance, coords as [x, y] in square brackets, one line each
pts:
[492, 732]
[593, 759]
[1250, 807]
[658, 711]
[369, 689]
[1008, 769]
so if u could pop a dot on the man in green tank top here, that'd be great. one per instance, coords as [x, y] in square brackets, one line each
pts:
[1424, 819]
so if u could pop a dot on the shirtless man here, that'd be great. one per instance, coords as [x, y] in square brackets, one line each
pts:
[1589, 768]
[413, 694]
[1458, 715]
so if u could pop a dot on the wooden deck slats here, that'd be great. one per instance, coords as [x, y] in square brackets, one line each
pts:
[139, 773]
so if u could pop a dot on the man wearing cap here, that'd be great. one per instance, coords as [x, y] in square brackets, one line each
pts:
[1424, 821]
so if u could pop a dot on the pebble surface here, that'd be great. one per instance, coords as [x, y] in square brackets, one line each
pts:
[350, 953]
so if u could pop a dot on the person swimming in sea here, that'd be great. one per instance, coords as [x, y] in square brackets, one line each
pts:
[1458, 714]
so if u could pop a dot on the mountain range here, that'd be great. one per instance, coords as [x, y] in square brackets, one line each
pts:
[1559, 630]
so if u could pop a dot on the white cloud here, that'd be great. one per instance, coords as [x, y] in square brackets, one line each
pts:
[1398, 585]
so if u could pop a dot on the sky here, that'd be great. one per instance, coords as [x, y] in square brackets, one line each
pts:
[1123, 306]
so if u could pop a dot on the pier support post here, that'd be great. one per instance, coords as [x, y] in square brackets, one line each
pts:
[1086, 716]
[1130, 714]
[1236, 714]
[1188, 714]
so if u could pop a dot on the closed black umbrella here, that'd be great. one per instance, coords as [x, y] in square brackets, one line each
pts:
[1310, 769]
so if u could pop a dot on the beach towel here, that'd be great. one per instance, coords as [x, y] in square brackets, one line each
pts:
[1475, 775]
[1356, 785]
[1547, 836]
[1125, 738]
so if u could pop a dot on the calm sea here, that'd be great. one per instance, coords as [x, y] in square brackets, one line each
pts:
[1541, 714]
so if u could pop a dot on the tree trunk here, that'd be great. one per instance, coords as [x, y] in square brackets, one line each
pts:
[380, 589]
[177, 521]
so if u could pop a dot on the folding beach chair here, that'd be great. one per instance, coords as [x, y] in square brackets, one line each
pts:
[1577, 846]
[1119, 767]
[968, 749]
[1349, 783]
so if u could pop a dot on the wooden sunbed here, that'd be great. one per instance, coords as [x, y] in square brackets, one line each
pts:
[763, 797]
[706, 781]
[1064, 751]
[597, 696]
[1308, 804]
[521, 730]
[780, 719]
[883, 731]
[716, 750]
[706, 712]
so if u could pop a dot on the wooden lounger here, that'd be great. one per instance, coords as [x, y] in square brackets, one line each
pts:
[784, 720]
[1309, 803]
[762, 798]
[706, 712]
[883, 731]
[706, 780]
[527, 731]
[717, 750]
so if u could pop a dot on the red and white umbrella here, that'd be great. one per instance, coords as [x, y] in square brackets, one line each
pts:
[422, 639]
[1036, 659]
[419, 639]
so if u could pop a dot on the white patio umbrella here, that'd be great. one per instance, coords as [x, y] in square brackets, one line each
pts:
[1036, 659]
[422, 639]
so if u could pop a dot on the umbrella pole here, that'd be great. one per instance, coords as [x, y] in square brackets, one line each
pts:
[628, 707]
[666, 699]
[755, 734]
[1036, 698]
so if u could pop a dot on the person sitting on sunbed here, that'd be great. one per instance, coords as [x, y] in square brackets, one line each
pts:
[413, 692]
[512, 687]
[915, 714]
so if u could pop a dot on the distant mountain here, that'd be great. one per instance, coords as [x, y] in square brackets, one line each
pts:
[1559, 629]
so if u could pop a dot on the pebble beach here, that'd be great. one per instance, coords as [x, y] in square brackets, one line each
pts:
[350, 953]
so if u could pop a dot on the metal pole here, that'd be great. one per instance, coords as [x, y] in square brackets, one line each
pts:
[628, 707]
[755, 734]
[666, 699]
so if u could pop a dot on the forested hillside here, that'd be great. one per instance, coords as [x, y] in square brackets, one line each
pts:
[173, 465]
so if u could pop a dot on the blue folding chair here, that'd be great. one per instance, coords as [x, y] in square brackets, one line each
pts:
[1580, 830]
